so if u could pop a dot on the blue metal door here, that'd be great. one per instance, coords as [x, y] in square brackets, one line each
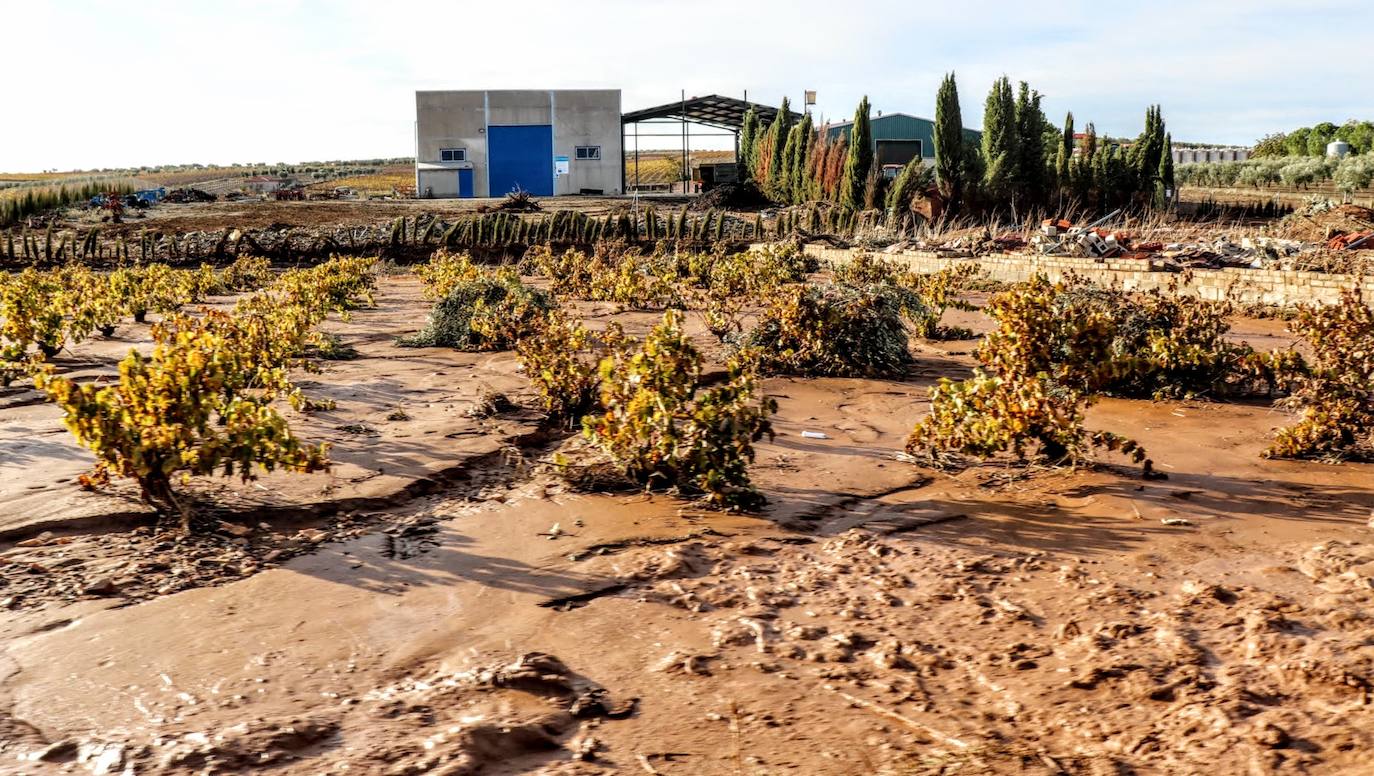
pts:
[465, 183]
[520, 158]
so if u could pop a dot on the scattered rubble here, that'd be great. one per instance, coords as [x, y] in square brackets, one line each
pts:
[188, 195]
[1323, 220]
[732, 196]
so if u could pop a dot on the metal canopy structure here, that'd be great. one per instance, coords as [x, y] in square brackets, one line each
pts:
[713, 110]
[723, 114]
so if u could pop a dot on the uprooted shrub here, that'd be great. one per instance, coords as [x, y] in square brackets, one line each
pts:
[561, 358]
[1040, 370]
[32, 309]
[636, 281]
[444, 271]
[570, 273]
[1171, 345]
[665, 429]
[936, 292]
[188, 408]
[94, 305]
[490, 311]
[866, 269]
[246, 273]
[1336, 393]
[833, 331]
[748, 273]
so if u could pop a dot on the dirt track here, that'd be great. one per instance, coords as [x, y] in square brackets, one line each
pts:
[876, 618]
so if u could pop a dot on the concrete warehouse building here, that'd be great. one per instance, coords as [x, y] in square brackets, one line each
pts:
[897, 139]
[490, 143]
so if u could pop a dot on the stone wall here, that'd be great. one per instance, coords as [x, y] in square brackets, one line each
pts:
[1247, 286]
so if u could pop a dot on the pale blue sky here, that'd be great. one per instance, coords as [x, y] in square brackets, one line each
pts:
[101, 84]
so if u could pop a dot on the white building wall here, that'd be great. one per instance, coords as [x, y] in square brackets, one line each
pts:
[459, 119]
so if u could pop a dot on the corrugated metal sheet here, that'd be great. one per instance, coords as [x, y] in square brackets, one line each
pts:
[899, 126]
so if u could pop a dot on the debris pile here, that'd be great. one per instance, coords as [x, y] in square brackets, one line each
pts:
[515, 202]
[1324, 220]
[732, 196]
[1059, 237]
[1352, 241]
[187, 195]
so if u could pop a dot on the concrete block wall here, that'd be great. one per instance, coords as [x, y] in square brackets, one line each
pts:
[1247, 286]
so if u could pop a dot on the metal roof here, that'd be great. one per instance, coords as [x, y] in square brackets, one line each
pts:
[872, 119]
[712, 110]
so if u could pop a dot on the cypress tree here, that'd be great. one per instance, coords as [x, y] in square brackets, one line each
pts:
[1166, 172]
[974, 168]
[747, 138]
[1000, 153]
[797, 180]
[949, 143]
[875, 189]
[1146, 155]
[1100, 177]
[1083, 169]
[782, 124]
[783, 191]
[1062, 172]
[1120, 178]
[1030, 131]
[859, 159]
[914, 179]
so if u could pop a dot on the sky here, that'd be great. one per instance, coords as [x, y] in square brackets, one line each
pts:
[96, 84]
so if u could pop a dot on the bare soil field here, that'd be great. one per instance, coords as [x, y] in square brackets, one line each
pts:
[441, 602]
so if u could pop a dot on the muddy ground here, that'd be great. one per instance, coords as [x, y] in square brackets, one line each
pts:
[440, 603]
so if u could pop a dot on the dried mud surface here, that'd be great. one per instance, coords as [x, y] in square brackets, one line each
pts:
[877, 618]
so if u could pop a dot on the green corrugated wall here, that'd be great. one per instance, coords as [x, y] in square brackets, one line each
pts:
[896, 126]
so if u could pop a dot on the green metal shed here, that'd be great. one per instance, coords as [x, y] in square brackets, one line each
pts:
[897, 137]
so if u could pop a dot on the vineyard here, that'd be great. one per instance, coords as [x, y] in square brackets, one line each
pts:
[679, 421]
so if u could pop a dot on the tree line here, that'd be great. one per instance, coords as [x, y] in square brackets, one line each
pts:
[1312, 141]
[1021, 162]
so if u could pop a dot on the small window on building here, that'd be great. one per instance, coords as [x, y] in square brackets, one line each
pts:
[589, 153]
[453, 154]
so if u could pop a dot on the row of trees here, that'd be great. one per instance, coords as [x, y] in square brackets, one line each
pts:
[1021, 162]
[1351, 174]
[1312, 141]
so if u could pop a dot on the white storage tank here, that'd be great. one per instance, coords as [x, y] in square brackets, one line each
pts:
[1338, 149]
